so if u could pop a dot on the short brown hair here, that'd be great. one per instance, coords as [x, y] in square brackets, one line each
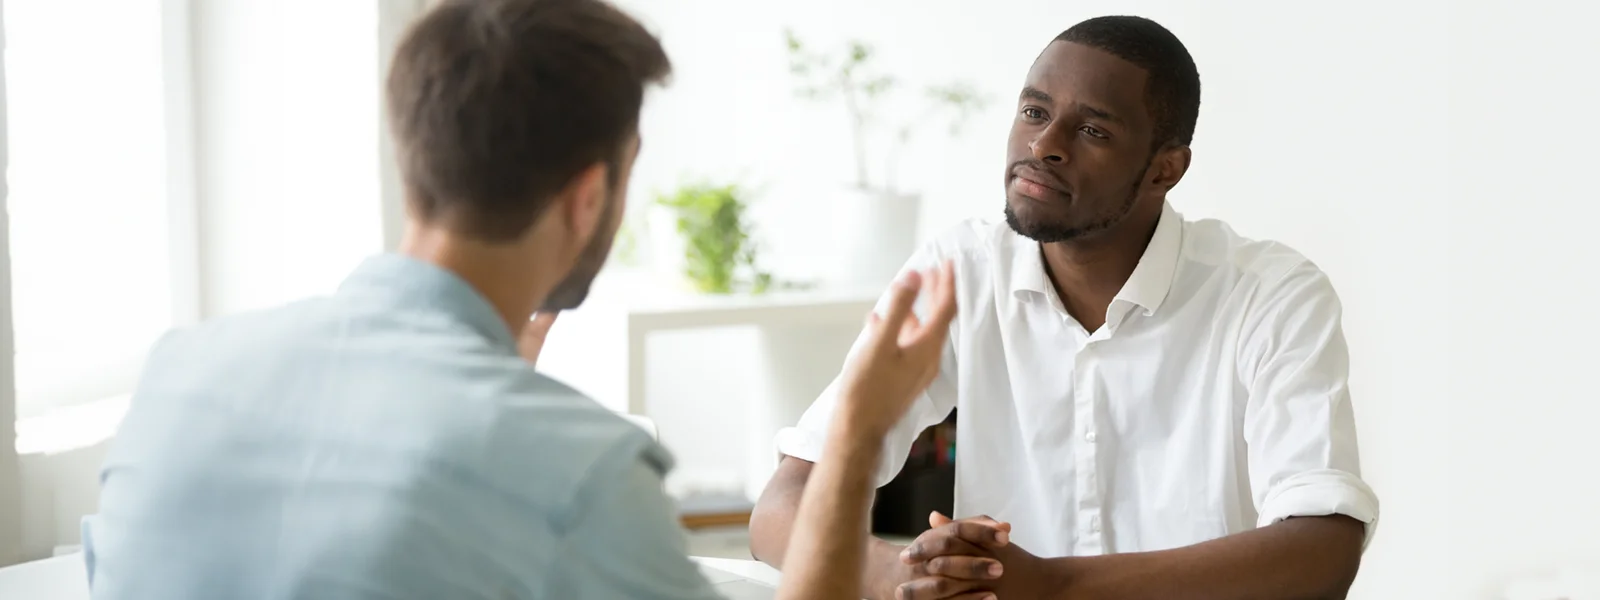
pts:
[495, 105]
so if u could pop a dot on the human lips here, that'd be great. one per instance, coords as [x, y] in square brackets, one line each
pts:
[1035, 184]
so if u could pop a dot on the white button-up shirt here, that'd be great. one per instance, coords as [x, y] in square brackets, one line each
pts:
[1212, 401]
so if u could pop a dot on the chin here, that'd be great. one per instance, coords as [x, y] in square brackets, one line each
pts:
[1026, 222]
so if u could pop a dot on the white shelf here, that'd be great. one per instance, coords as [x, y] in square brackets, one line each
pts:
[600, 348]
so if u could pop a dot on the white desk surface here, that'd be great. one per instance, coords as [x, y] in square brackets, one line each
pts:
[748, 569]
[59, 578]
[62, 577]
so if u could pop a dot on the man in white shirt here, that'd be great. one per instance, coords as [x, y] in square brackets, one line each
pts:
[1149, 407]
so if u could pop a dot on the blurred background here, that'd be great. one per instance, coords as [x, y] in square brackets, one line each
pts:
[170, 161]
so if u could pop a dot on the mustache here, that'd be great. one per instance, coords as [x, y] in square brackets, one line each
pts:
[1038, 170]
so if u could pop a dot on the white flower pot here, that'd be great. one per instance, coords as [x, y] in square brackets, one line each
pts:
[666, 245]
[874, 233]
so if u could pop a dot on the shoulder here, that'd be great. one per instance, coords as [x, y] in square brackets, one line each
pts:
[555, 445]
[1260, 271]
[984, 252]
[971, 240]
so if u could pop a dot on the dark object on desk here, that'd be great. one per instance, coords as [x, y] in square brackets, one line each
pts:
[926, 484]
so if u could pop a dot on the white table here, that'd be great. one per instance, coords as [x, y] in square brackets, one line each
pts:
[59, 578]
[62, 577]
[748, 569]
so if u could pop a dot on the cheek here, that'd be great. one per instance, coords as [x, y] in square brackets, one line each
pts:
[1016, 145]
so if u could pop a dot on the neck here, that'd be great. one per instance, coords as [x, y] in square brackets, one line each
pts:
[498, 272]
[1088, 273]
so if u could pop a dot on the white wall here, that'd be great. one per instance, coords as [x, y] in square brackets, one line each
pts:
[1521, 296]
[1428, 155]
[287, 127]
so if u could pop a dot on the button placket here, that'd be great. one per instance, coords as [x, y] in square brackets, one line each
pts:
[1089, 541]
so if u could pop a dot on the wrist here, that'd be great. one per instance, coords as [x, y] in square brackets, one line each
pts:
[1065, 575]
[858, 418]
[882, 574]
[848, 431]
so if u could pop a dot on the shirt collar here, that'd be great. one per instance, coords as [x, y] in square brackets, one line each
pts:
[406, 282]
[1147, 287]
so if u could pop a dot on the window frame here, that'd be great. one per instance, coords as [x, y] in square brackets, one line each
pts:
[183, 242]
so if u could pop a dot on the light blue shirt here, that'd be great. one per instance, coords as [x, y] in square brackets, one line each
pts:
[383, 442]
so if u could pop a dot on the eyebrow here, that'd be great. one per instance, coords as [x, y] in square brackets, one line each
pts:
[1033, 93]
[1038, 95]
[1099, 113]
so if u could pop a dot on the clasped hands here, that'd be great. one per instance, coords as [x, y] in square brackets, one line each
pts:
[966, 559]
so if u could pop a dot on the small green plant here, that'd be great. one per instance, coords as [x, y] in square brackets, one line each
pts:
[852, 79]
[718, 252]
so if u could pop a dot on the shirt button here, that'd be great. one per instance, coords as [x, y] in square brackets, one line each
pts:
[1089, 437]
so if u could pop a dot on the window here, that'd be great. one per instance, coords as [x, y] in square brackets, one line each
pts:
[96, 213]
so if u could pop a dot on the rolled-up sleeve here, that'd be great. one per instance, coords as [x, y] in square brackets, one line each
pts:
[1299, 425]
[805, 440]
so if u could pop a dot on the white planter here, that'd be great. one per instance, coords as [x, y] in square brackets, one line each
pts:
[874, 232]
[666, 247]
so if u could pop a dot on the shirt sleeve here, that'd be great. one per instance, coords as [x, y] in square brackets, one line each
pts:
[805, 440]
[628, 542]
[1299, 426]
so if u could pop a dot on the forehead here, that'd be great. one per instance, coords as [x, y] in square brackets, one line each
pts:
[1074, 73]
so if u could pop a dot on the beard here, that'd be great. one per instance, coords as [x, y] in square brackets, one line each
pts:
[1048, 232]
[573, 289]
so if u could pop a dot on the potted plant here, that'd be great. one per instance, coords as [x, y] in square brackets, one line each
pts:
[710, 233]
[876, 220]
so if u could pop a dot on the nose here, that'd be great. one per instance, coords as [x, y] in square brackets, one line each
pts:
[1047, 146]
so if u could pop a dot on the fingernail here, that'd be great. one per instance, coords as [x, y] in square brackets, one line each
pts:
[995, 570]
[1001, 537]
[989, 597]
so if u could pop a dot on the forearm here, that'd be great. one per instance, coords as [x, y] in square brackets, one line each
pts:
[772, 523]
[772, 520]
[1311, 558]
[828, 543]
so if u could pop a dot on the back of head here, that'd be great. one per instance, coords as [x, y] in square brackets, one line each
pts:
[495, 105]
[1173, 88]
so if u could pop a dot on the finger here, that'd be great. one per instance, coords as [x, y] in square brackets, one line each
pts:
[937, 519]
[901, 296]
[913, 323]
[939, 542]
[934, 588]
[964, 567]
[985, 534]
[941, 307]
[998, 524]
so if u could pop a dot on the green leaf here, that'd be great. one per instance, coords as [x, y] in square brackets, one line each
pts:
[876, 87]
[717, 244]
[860, 52]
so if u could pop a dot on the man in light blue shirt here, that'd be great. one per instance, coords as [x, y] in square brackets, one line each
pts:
[390, 441]
[365, 444]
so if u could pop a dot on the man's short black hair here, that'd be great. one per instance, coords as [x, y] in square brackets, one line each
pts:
[1173, 88]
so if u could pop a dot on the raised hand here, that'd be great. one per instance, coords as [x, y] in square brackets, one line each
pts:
[901, 353]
